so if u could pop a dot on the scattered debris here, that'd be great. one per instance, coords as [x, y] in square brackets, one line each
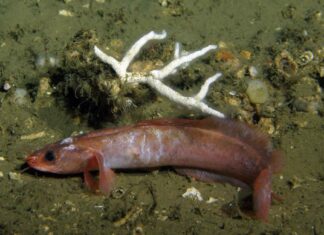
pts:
[132, 215]
[193, 193]
[14, 176]
[6, 86]
[211, 200]
[33, 136]
[65, 13]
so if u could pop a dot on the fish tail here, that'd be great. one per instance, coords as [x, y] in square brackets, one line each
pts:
[276, 161]
[262, 195]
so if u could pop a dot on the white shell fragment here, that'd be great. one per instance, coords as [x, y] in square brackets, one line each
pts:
[6, 86]
[64, 12]
[14, 176]
[32, 136]
[211, 200]
[193, 193]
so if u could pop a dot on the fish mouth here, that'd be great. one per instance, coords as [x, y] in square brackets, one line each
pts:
[31, 160]
[34, 162]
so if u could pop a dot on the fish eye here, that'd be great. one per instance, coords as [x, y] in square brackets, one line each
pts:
[49, 156]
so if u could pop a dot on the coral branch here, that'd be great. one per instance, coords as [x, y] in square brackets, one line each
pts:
[154, 78]
[178, 62]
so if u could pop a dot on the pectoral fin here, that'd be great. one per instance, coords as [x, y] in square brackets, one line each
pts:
[90, 183]
[106, 176]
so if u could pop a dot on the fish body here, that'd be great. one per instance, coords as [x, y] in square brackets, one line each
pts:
[210, 150]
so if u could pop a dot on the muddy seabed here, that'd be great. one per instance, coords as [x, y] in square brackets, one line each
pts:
[34, 38]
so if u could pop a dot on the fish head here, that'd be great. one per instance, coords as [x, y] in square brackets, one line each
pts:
[60, 158]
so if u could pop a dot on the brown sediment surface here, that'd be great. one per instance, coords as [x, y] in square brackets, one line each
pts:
[275, 38]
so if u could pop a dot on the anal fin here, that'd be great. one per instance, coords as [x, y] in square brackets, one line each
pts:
[209, 176]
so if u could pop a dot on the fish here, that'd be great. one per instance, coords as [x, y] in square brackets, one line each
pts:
[210, 150]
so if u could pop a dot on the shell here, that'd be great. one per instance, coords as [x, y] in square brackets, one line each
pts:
[305, 58]
[285, 64]
[193, 193]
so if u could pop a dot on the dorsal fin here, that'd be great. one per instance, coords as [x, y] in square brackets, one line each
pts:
[103, 132]
[249, 135]
[167, 122]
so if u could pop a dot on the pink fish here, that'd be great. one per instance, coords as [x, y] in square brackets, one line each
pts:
[211, 150]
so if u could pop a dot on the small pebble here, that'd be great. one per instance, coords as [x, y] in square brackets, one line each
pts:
[257, 91]
[321, 71]
[40, 60]
[192, 193]
[46, 60]
[6, 86]
[33, 136]
[1, 174]
[253, 71]
[65, 13]
[211, 200]
[14, 176]
[163, 3]
[53, 61]
[246, 54]
[20, 96]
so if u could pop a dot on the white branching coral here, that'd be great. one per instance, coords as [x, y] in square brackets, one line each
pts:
[154, 78]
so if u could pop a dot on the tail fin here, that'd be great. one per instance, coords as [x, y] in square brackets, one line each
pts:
[262, 195]
[276, 161]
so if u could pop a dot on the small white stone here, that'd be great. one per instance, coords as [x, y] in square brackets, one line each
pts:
[163, 3]
[305, 33]
[253, 71]
[14, 176]
[20, 96]
[211, 200]
[6, 86]
[193, 193]
[65, 13]
[1, 174]
[2, 158]
[40, 61]
[232, 93]
[53, 61]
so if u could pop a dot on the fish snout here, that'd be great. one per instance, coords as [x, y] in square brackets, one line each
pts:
[31, 160]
